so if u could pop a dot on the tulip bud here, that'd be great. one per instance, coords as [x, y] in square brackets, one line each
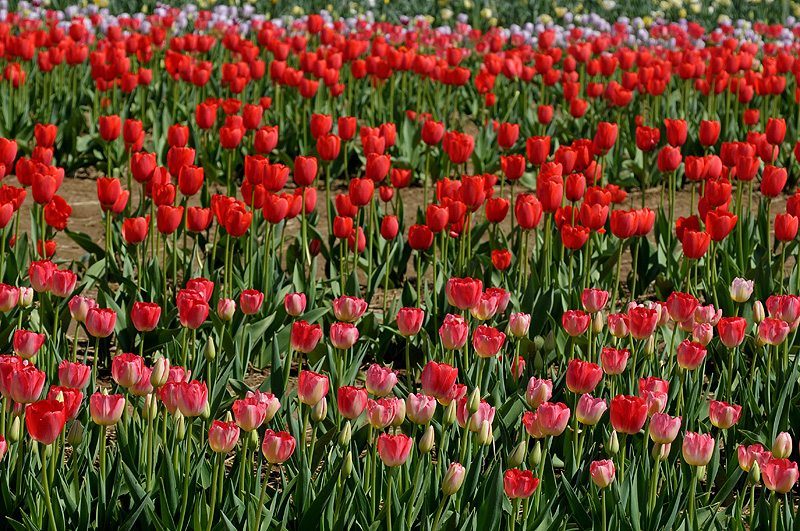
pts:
[320, 410]
[426, 442]
[538, 362]
[449, 415]
[347, 466]
[782, 447]
[538, 343]
[549, 342]
[453, 479]
[210, 354]
[75, 434]
[48, 450]
[754, 475]
[517, 456]
[345, 434]
[14, 432]
[597, 323]
[399, 413]
[535, 457]
[206, 412]
[660, 452]
[25, 297]
[485, 433]
[650, 346]
[612, 443]
[180, 427]
[160, 372]
[758, 312]
[474, 401]
[254, 440]
[146, 411]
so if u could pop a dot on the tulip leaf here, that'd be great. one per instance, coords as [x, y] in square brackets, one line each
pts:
[490, 511]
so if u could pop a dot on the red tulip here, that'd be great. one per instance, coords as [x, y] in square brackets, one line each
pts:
[628, 414]
[420, 237]
[100, 321]
[277, 447]
[106, 410]
[519, 484]
[109, 127]
[45, 420]
[394, 449]
[709, 132]
[785, 227]
[145, 315]
[134, 230]
[776, 130]
[582, 377]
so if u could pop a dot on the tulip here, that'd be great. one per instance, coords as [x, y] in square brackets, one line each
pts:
[780, 475]
[295, 303]
[420, 408]
[773, 331]
[697, 448]
[628, 414]
[467, 419]
[222, 436]
[127, 369]
[575, 322]
[100, 321]
[602, 473]
[614, 360]
[394, 449]
[438, 379]
[538, 392]
[304, 337]
[741, 290]
[453, 479]
[74, 375]
[145, 316]
[27, 344]
[552, 418]
[351, 401]
[723, 415]
[380, 380]
[45, 420]
[750, 455]
[349, 309]
[409, 321]
[311, 387]
[663, 428]
[519, 484]
[463, 293]
[589, 409]
[594, 300]
[453, 332]
[277, 447]
[381, 413]
[192, 398]
[782, 445]
[106, 410]
[690, 354]
[487, 341]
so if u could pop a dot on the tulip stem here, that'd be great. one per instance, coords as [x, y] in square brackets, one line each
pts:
[603, 504]
[651, 505]
[616, 277]
[414, 486]
[46, 487]
[386, 277]
[244, 462]
[214, 475]
[692, 508]
[389, 500]
[306, 253]
[409, 371]
[775, 506]
[187, 473]
[442, 505]
[261, 498]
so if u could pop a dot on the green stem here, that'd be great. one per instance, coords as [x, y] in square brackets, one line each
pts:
[46, 488]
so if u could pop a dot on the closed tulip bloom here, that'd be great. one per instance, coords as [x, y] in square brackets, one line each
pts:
[389, 227]
[663, 428]
[776, 130]
[676, 132]
[575, 322]
[590, 409]
[192, 398]
[343, 335]
[594, 300]
[528, 211]
[168, 218]
[773, 180]
[583, 376]
[127, 369]
[420, 408]
[785, 227]
[507, 135]
[311, 387]
[720, 223]
[9, 296]
[709, 132]
[518, 324]
[690, 354]
[106, 410]
[75, 375]
[277, 447]
[71, 398]
[409, 321]
[249, 413]
[681, 306]
[697, 448]
[552, 418]
[250, 301]
[349, 309]
[602, 472]
[463, 293]
[619, 325]
[438, 379]
[295, 303]
[192, 308]
[45, 420]
[628, 414]
[782, 445]
[487, 341]
[351, 401]
[773, 331]
[226, 308]
[723, 415]
[732, 331]
[304, 336]
[394, 449]
[538, 392]
[741, 289]
[380, 380]
[40, 274]
[420, 237]
[134, 230]
[100, 321]
[381, 412]
[305, 170]
[453, 332]
[453, 479]
[27, 344]
[109, 127]
[614, 360]
[222, 436]
[780, 475]
[519, 484]
[145, 316]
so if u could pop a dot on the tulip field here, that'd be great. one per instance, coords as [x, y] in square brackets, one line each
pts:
[326, 272]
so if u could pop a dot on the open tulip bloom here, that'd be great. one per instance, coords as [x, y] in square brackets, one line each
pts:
[392, 271]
